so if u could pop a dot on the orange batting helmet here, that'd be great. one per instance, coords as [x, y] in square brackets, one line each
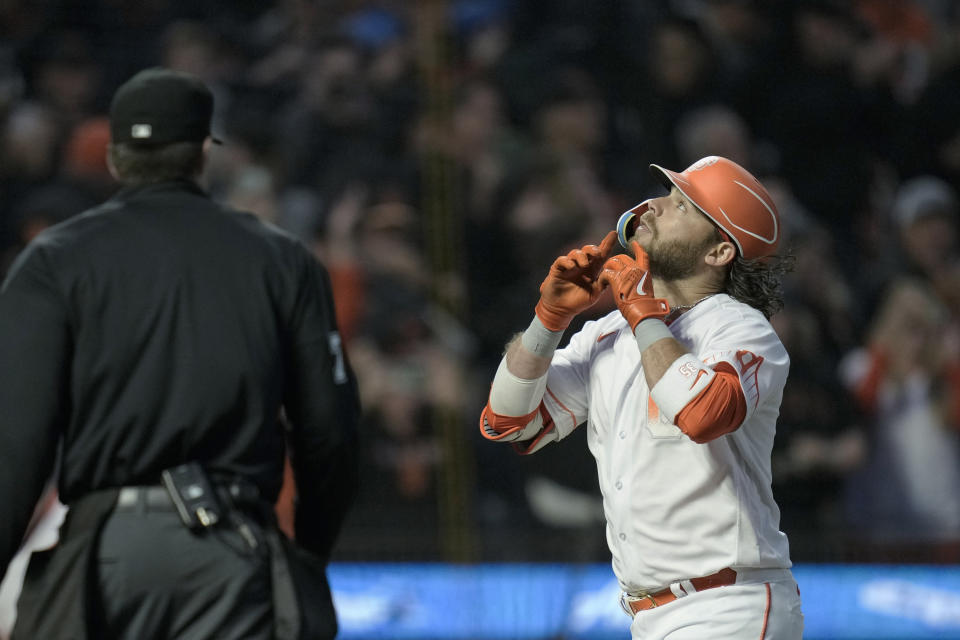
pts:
[733, 199]
[730, 196]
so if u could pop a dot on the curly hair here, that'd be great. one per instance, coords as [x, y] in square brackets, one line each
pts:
[759, 283]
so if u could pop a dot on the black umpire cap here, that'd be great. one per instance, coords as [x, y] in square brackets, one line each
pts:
[158, 106]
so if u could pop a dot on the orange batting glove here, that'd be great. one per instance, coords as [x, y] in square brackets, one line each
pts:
[572, 286]
[632, 286]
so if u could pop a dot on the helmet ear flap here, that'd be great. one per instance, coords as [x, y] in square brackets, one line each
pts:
[625, 227]
[627, 223]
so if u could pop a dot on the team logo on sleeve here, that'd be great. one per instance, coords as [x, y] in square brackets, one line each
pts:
[688, 369]
[749, 365]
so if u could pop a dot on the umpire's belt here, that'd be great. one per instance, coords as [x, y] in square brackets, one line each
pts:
[146, 497]
[155, 497]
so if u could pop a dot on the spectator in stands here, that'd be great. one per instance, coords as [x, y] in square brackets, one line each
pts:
[903, 503]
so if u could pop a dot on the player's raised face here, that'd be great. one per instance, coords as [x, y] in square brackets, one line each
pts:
[676, 236]
[672, 217]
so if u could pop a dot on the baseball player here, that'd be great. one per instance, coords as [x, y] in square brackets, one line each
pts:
[679, 389]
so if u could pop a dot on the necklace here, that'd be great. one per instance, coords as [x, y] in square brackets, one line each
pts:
[679, 310]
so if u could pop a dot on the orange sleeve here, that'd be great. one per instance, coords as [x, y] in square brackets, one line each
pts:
[502, 426]
[527, 447]
[717, 410]
[494, 426]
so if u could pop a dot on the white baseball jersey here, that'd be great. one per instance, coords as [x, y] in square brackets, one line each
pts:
[676, 509]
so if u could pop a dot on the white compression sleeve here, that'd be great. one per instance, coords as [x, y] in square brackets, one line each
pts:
[513, 396]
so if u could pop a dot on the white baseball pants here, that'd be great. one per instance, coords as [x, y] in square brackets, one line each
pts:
[761, 611]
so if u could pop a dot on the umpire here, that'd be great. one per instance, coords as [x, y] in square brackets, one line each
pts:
[170, 351]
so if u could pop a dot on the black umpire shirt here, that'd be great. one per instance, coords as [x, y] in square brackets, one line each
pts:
[161, 327]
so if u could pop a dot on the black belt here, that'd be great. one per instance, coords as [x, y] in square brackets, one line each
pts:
[150, 497]
[155, 497]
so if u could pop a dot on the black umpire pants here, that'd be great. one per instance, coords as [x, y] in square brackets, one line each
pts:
[160, 581]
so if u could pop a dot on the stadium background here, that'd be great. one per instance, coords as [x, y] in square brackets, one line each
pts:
[438, 154]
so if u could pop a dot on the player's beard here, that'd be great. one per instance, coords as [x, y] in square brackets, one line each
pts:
[676, 259]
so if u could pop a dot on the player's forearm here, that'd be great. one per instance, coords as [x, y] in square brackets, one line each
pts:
[658, 358]
[514, 411]
[529, 354]
[521, 379]
[523, 364]
[658, 349]
[704, 402]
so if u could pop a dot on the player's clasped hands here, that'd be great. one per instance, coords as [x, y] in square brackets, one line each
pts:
[577, 279]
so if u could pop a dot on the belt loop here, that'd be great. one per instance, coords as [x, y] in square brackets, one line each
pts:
[142, 506]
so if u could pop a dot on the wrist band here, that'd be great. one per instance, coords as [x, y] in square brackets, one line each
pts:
[539, 340]
[649, 331]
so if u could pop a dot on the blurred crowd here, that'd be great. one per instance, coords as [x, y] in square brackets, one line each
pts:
[439, 154]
